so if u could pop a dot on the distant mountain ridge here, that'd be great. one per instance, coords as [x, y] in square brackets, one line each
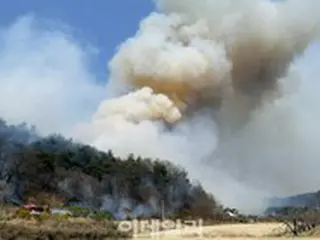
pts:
[311, 200]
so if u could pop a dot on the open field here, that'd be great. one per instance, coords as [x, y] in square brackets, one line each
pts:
[87, 229]
[21, 229]
[59, 227]
[230, 231]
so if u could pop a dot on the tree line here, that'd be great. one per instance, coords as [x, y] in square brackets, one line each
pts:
[53, 166]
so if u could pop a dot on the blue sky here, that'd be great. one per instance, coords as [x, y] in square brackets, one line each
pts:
[49, 79]
[102, 23]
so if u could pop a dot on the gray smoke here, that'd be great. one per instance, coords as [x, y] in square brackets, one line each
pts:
[232, 70]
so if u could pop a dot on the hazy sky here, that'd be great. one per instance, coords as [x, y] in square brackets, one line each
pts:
[102, 23]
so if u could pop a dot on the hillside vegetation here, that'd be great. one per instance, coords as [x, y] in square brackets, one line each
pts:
[58, 171]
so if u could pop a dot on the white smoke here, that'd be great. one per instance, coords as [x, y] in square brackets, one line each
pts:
[45, 77]
[230, 68]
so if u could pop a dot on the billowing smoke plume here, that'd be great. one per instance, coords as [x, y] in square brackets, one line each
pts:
[208, 88]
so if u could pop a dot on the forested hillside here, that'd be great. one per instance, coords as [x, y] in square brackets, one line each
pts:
[55, 169]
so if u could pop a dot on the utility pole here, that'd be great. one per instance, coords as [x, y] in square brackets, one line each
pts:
[162, 210]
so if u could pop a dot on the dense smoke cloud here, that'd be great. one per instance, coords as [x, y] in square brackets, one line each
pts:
[228, 67]
[219, 87]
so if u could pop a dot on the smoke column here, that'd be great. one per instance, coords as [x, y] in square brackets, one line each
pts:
[213, 86]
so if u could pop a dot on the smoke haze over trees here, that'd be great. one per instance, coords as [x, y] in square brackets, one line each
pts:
[32, 166]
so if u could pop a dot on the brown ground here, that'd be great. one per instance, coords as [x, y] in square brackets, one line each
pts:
[20, 229]
[87, 229]
[83, 228]
[230, 231]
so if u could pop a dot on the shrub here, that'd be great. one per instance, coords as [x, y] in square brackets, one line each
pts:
[43, 217]
[79, 211]
[23, 213]
[63, 217]
[101, 216]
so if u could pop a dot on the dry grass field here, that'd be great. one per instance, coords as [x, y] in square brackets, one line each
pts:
[58, 227]
[85, 228]
[231, 231]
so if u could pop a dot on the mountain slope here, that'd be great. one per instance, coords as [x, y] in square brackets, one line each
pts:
[57, 168]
